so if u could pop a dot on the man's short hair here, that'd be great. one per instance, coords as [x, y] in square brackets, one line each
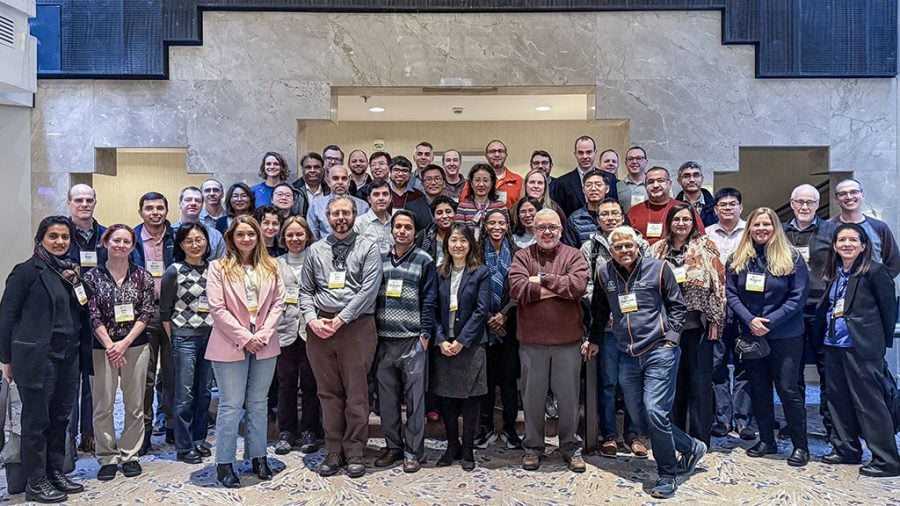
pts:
[426, 144]
[659, 169]
[188, 189]
[805, 187]
[340, 198]
[406, 213]
[442, 199]
[380, 154]
[637, 147]
[541, 152]
[689, 165]
[586, 138]
[332, 147]
[314, 156]
[378, 183]
[848, 180]
[401, 161]
[594, 173]
[153, 196]
[728, 192]
[624, 231]
[438, 168]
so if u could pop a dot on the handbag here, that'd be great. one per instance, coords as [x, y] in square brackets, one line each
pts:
[751, 348]
[11, 455]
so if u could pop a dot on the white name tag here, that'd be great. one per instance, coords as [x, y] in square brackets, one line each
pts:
[453, 303]
[252, 301]
[637, 198]
[838, 308]
[202, 304]
[156, 268]
[80, 294]
[337, 279]
[88, 258]
[756, 282]
[394, 288]
[291, 295]
[804, 252]
[680, 273]
[654, 229]
[628, 303]
[501, 196]
[124, 312]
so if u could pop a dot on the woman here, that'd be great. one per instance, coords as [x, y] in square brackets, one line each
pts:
[537, 186]
[269, 219]
[292, 368]
[767, 286]
[40, 325]
[699, 271]
[184, 312]
[431, 239]
[502, 349]
[481, 199]
[459, 375]
[857, 314]
[238, 201]
[246, 298]
[523, 217]
[121, 305]
[273, 170]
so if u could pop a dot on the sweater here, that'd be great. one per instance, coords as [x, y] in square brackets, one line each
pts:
[407, 297]
[183, 285]
[641, 215]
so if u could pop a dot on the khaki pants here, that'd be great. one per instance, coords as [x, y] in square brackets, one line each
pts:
[131, 378]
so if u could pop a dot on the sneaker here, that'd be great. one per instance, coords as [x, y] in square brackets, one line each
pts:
[484, 438]
[638, 449]
[719, 430]
[688, 461]
[283, 445]
[132, 469]
[550, 407]
[609, 448]
[576, 463]
[107, 472]
[308, 442]
[512, 439]
[664, 488]
[531, 462]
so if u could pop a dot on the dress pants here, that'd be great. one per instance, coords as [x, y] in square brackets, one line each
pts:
[813, 352]
[243, 384]
[130, 379]
[401, 374]
[163, 383]
[558, 367]
[781, 367]
[733, 406]
[502, 359]
[692, 411]
[295, 378]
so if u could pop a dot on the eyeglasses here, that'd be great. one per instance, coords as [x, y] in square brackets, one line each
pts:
[849, 193]
[610, 214]
[548, 228]
[635, 158]
[239, 196]
[283, 194]
[333, 159]
[728, 205]
[437, 179]
[199, 241]
[594, 185]
[624, 246]
[689, 175]
[399, 169]
[807, 203]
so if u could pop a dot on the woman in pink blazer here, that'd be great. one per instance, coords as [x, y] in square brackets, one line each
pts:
[246, 298]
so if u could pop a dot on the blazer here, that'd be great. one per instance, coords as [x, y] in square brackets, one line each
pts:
[568, 193]
[870, 310]
[473, 307]
[231, 318]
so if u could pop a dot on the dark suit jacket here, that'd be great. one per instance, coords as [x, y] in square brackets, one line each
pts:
[870, 309]
[422, 210]
[567, 192]
[473, 307]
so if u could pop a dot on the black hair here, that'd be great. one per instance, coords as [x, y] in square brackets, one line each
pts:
[728, 192]
[153, 196]
[48, 222]
[407, 214]
[492, 192]
[442, 199]
[401, 161]
[182, 233]
[863, 262]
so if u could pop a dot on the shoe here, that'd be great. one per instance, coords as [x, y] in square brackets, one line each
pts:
[62, 483]
[86, 445]
[411, 465]
[609, 448]
[719, 430]
[170, 436]
[799, 458]
[746, 433]
[762, 448]
[107, 472]
[531, 462]
[308, 443]
[283, 445]
[203, 451]
[834, 458]
[42, 491]
[432, 416]
[467, 459]
[331, 465]
[874, 472]
[784, 432]
[388, 457]
[665, 487]
[146, 446]
[484, 438]
[639, 449]
[450, 454]
[132, 469]
[189, 457]
[355, 467]
[260, 467]
[688, 461]
[226, 477]
[576, 463]
[511, 438]
[551, 410]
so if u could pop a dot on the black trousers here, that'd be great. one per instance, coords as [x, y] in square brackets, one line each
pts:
[296, 379]
[815, 354]
[781, 367]
[45, 416]
[451, 409]
[857, 405]
[692, 410]
[502, 372]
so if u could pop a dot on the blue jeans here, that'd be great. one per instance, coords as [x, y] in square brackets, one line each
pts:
[648, 383]
[608, 380]
[244, 383]
[193, 375]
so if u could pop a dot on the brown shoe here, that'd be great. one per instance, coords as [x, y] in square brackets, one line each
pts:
[388, 457]
[87, 445]
[531, 462]
[576, 464]
[638, 449]
[411, 465]
[609, 448]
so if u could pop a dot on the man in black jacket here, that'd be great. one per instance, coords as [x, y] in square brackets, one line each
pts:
[690, 177]
[567, 189]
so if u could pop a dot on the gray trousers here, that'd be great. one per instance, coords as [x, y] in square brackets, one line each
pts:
[401, 375]
[557, 368]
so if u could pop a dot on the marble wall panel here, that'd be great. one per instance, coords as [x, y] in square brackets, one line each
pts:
[128, 114]
[863, 125]
[61, 129]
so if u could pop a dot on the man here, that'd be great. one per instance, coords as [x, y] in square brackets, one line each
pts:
[648, 312]
[404, 316]
[547, 279]
[583, 222]
[212, 202]
[631, 189]
[850, 197]
[380, 168]
[609, 162]
[154, 250]
[358, 163]
[333, 155]
[310, 183]
[375, 225]
[690, 177]
[433, 181]
[190, 201]
[424, 156]
[455, 183]
[733, 410]
[649, 217]
[509, 184]
[567, 191]
[339, 182]
[338, 288]
[402, 192]
[542, 161]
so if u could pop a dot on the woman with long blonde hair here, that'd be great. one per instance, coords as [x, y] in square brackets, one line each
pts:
[766, 288]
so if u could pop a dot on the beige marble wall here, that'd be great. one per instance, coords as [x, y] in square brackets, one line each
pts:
[15, 204]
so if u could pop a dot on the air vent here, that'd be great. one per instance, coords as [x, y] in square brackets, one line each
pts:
[7, 31]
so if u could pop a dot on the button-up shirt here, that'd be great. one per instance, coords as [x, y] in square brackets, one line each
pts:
[317, 215]
[726, 242]
[630, 193]
[153, 252]
[369, 226]
[208, 219]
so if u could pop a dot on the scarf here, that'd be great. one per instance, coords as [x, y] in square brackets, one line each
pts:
[64, 266]
[498, 263]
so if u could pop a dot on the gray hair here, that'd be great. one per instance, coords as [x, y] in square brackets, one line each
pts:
[625, 231]
[341, 198]
[805, 187]
[547, 212]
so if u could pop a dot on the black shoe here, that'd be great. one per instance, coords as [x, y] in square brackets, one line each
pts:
[719, 430]
[308, 442]
[511, 438]
[170, 436]
[203, 451]
[62, 483]
[762, 448]
[688, 461]
[146, 446]
[452, 453]
[189, 457]
[355, 467]
[261, 468]
[388, 457]
[331, 465]
[107, 472]
[132, 469]
[874, 472]
[835, 458]
[746, 433]
[799, 458]
[467, 459]
[226, 477]
[42, 491]
[284, 443]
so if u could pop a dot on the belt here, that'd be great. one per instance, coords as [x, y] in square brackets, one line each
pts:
[326, 314]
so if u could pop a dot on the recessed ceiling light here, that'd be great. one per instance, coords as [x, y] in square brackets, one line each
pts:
[376, 109]
[542, 108]
[593, 108]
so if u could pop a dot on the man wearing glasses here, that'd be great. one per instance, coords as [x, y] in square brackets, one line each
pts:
[631, 190]
[690, 177]
[542, 161]
[402, 192]
[333, 155]
[649, 217]
[583, 222]
[850, 197]
[509, 184]
[317, 215]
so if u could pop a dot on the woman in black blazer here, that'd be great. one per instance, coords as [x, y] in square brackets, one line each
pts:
[857, 313]
[459, 375]
[40, 324]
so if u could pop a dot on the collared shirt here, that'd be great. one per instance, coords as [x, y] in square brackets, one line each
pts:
[630, 193]
[362, 279]
[216, 241]
[208, 219]
[317, 215]
[369, 226]
[726, 242]
[698, 205]
[510, 185]
[455, 190]
[838, 334]
[312, 196]
[153, 252]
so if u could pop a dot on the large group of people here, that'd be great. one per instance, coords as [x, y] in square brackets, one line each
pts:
[387, 282]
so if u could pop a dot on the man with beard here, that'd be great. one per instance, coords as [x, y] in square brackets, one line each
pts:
[649, 217]
[690, 177]
[359, 177]
[375, 225]
[317, 216]
[402, 191]
[509, 184]
[542, 161]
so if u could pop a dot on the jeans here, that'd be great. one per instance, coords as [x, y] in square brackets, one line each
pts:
[648, 382]
[193, 375]
[608, 373]
[244, 383]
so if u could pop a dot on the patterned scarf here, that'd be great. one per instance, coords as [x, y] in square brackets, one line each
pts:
[499, 264]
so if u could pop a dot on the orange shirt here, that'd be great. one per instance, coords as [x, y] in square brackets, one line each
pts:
[510, 185]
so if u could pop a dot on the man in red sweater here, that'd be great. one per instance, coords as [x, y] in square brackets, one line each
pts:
[649, 217]
[548, 279]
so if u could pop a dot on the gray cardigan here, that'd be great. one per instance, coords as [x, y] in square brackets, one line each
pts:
[291, 323]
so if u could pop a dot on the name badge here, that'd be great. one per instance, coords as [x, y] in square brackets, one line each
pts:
[156, 268]
[124, 312]
[88, 258]
[252, 301]
[394, 288]
[680, 273]
[80, 294]
[804, 252]
[654, 229]
[637, 198]
[454, 306]
[838, 308]
[755, 282]
[628, 303]
[291, 295]
[202, 304]
[501, 196]
[337, 279]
